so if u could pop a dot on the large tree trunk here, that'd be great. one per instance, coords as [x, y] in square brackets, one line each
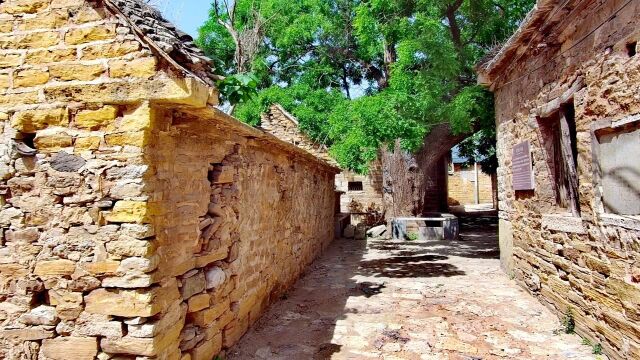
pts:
[416, 184]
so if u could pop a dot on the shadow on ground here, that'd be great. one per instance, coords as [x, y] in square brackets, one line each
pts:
[330, 289]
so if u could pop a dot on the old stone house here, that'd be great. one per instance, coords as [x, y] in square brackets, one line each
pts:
[568, 115]
[358, 194]
[137, 220]
[467, 184]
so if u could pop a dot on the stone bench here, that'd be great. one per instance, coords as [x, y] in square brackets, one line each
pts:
[439, 227]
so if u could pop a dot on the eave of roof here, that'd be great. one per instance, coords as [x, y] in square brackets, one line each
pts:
[518, 43]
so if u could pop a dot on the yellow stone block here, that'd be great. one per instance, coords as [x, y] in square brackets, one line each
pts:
[111, 50]
[64, 297]
[128, 212]
[90, 34]
[87, 143]
[76, 71]
[143, 68]
[16, 99]
[53, 143]
[30, 78]
[132, 303]
[57, 4]
[33, 120]
[23, 6]
[138, 138]
[208, 349]
[207, 316]
[55, 267]
[138, 119]
[50, 56]
[4, 81]
[199, 302]
[128, 303]
[95, 119]
[87, 14]
[30, 41]
[28, 334]
[175, 91]
[6, 26]
[63, 348]
[50, 20]
[143, 346]
[107, 267]
[10, 60]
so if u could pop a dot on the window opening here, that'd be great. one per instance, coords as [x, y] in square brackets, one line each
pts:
[562, 148]
[355, 186]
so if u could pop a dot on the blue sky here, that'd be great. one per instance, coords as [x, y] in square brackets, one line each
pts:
[188, 15]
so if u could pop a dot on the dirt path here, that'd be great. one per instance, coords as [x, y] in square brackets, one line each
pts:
[409, 300]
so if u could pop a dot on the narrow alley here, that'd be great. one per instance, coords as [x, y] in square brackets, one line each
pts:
[410, 300]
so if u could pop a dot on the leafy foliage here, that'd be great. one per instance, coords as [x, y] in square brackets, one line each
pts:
[359, 74]
[238, 88]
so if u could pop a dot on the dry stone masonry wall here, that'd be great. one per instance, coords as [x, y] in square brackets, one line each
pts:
[585, 265]
[137, 222]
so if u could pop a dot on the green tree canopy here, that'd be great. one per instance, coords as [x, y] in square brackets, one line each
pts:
[361, 73]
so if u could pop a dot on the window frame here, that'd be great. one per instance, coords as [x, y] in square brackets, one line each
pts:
[564, 155]
[611, 125]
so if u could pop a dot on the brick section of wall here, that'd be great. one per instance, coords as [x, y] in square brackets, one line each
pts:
[369, 197]
[461, 185]
[135, 232]
[585, 265]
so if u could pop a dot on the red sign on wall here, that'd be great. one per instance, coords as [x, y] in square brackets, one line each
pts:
[522, 168]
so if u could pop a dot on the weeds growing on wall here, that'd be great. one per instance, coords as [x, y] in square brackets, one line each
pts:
[568, 322]
[596, 349]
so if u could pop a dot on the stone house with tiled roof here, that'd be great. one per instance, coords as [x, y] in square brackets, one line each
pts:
[566, 88]
[136, 219]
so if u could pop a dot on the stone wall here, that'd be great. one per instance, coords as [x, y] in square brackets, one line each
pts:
[462, 186]
[236, 224]
[147, 224]
[370, 197]
[585, 265]
[278, 122]
[281, 124]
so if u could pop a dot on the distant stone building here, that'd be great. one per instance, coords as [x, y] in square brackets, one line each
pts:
[361, 193]
[568, 117]
[467, 184]
[358, 193]
[137, 221]
[280, 123]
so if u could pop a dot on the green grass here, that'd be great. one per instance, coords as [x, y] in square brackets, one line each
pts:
[412, 236]
[596, 349]
[568, 323]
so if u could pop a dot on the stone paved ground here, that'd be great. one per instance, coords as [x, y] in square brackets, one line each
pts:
[410, 300]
